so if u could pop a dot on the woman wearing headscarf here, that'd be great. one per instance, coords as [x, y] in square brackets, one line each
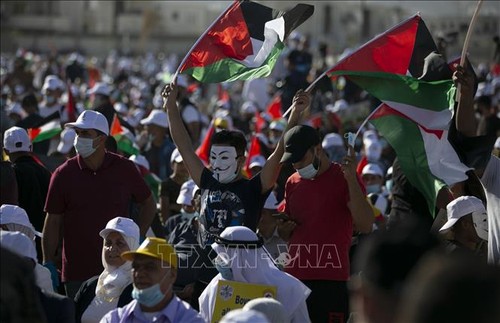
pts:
[241, 258]
[113, 287]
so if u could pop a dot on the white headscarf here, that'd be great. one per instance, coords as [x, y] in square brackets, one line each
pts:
[113, 280]
[253, 265]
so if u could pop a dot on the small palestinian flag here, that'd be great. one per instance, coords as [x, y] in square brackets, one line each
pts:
[45, 132]
[414, 119]
[123, 137]
[244, 43]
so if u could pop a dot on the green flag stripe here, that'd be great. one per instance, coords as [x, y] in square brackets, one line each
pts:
[228, 70]
[405, 137]
[405, 89]
[47, 134]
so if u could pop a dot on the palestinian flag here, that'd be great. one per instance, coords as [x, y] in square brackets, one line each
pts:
[407, 48]
[243, 43]
[414, 119]
[123, 137]
[203, 151]
[254, 150]
[45, 132]
[274, 107]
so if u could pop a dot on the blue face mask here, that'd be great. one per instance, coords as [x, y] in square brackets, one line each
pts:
[373, 188]
[188, 216]
[388, 184]
[224, 269]
[50, 100]
[150, 296]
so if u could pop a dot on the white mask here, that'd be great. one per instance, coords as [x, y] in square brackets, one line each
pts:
[480, 224]
[84, 146]
[224, 162]
[309, 171]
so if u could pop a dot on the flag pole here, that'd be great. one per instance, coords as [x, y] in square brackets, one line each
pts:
[309, 88]
[174, 78]
[467, 40]
[351, 139]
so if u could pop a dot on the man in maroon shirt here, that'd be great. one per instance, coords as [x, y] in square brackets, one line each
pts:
[84, 194]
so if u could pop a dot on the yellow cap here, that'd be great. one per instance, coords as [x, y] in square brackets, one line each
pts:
[221, 123]
[156, 248]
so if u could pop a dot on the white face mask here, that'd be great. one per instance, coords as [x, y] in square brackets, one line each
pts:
[309, 171]
[84, 146]
[224, 162]
[480, 224]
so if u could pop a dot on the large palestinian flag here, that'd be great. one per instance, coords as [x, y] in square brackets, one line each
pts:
[244, 43]
[407, 48]
[414, 119]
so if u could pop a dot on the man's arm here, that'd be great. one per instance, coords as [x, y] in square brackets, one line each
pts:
[180, 135]
[271, 169]
[465, 120]
[146, 214]
[50, 239]
[361, 211]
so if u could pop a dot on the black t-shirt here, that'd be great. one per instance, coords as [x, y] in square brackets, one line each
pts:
[407, 201]
[223, 205]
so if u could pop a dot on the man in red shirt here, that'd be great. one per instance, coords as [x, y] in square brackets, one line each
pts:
[325, 203]
[84, 194]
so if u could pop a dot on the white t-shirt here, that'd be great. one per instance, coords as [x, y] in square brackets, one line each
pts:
[491, 183]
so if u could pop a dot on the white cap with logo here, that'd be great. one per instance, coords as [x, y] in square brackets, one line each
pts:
[16, 139]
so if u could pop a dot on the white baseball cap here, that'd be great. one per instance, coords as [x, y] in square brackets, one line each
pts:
[52, 82]
[339, 105]
[460, 207]
[100, 88]
[18, 243]
[372, 169]
[90, 119]
[140, 160]
[67, 139]
[127, 227]
[332, 140]
[16, 139]
[176, 157]
[278, 125]
[186, 193]
[17, 215]
[257, 161]
[271, 202]
[120, 107]
[156, 117]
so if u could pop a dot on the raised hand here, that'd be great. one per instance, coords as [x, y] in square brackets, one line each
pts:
[349, 165]
[301, 100]
[169, 94]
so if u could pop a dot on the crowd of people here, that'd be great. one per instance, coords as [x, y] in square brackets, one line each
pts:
[127, 196]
